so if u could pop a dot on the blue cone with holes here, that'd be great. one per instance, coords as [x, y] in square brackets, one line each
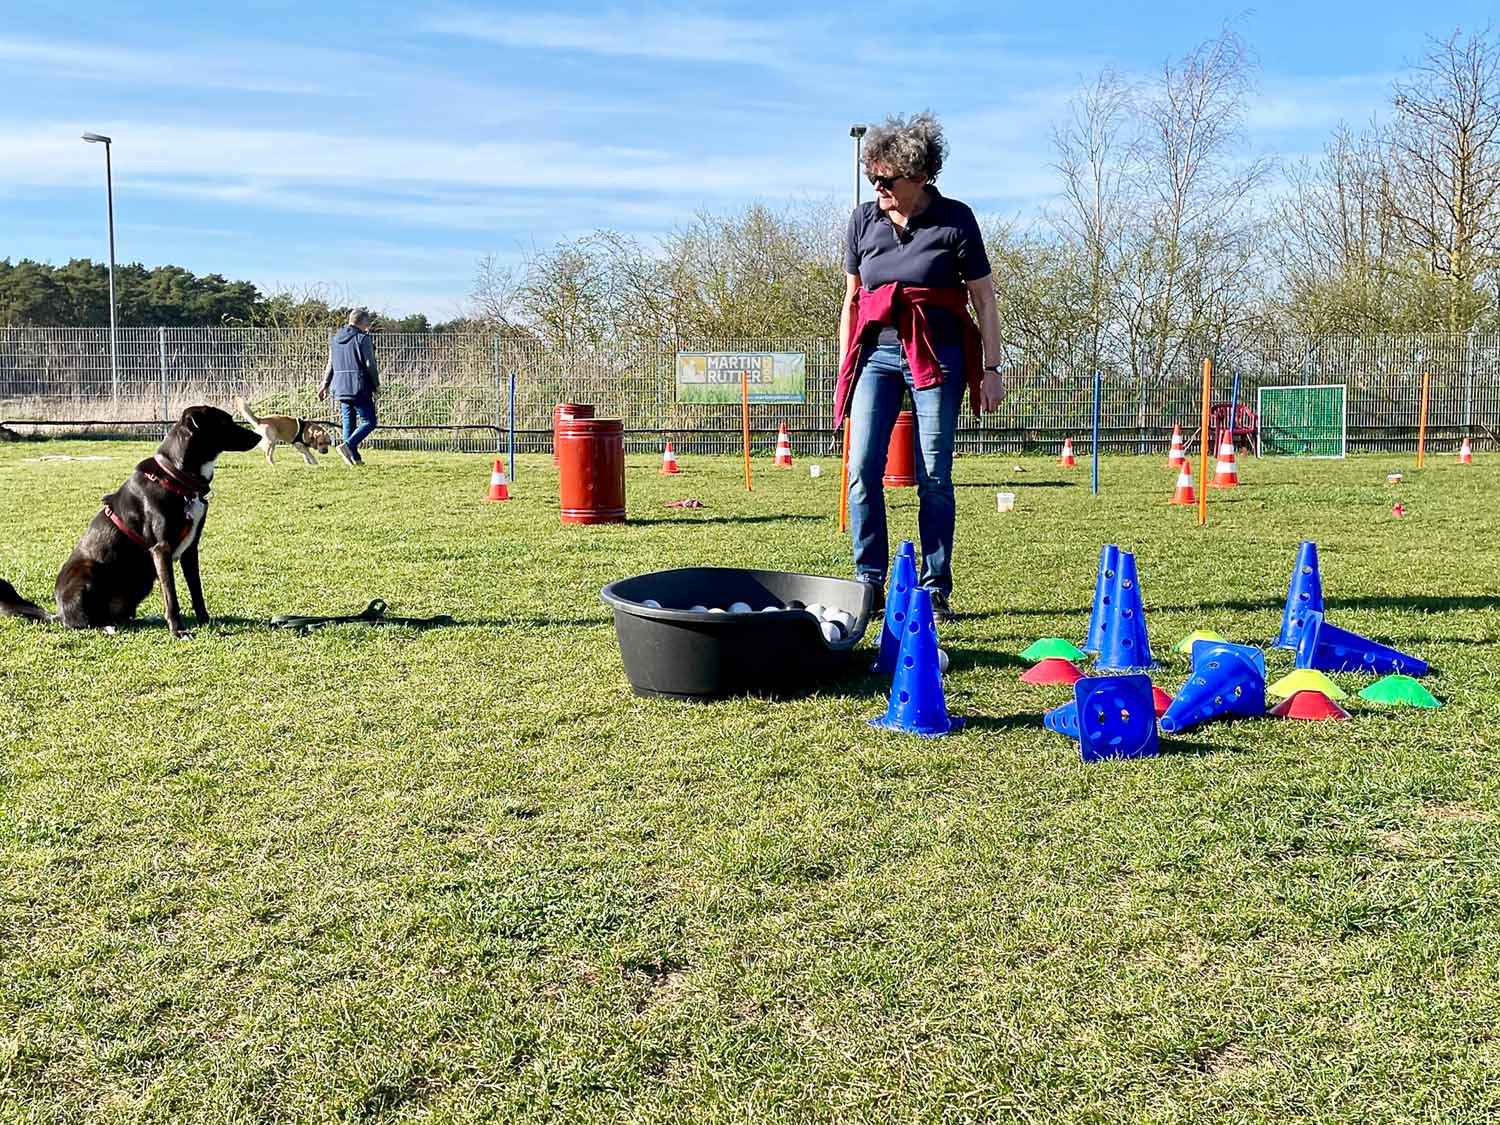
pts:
[1331, 649]
[1303, 597]
[1109, 716]
[1227, 681]
[917, 705]
[1123, 646]
[1109, 560]
[897, 607]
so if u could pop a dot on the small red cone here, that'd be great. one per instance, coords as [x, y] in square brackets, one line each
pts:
[1225, 475]
[1053, 670]
[783, 450]
[1066, 460]
[1398, 509]
[1177, 454]
[1310, 705]
[1466, 453]
[499, 490]
[1160, 701]
[1184, 492]
[669, 460]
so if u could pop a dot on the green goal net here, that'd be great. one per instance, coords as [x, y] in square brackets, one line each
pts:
[1301, 421]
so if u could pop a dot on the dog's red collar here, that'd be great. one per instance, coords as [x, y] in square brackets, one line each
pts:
[188, 485]
[134, 536]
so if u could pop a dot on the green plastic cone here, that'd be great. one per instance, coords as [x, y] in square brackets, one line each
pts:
[1400, 691]
[1049, 647]
[1306, 679]
[1186, 644]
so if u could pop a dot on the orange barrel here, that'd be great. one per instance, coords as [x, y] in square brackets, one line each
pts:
[591, 469]
[900, 455]
[567, 410]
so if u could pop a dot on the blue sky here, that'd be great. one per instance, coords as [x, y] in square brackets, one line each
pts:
[382, 149]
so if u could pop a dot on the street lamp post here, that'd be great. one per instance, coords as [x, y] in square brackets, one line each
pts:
[109, 198]
[857, 132]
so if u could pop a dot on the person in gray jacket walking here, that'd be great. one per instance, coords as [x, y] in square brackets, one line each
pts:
[354, 380]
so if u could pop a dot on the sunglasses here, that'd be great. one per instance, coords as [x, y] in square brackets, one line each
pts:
[884, 183]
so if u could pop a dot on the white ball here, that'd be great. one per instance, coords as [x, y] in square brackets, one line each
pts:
[815, 470]
[817, 609]
[833, 632]
[651, 603]
[740, 607]
[697, 609]
[942, 661]
[846, 620]
[771, 609]
[716, 609]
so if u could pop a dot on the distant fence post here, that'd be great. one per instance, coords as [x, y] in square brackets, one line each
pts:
[161, 345]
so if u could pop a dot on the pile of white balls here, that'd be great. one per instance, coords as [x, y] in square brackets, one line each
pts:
[835, 624]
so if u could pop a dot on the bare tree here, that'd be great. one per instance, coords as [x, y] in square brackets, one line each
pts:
[1444, 190]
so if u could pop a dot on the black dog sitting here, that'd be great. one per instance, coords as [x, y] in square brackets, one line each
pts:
[156, 516]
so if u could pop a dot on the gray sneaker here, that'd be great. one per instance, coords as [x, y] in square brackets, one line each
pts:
[343, 451]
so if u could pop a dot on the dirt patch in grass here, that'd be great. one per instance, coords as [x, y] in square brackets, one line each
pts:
[1455, 810]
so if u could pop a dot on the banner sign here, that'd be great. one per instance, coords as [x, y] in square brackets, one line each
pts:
[713, 378]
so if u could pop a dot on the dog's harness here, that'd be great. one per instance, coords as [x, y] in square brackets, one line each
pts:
[298, 438]
[189, 486]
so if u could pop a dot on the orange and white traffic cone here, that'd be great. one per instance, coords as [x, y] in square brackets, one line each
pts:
[783, 449]
[1466, 453]
[1225, 475]
[669, 460]
[1066, 460]
[1177, 454]
[499, 490]
[1184, 492]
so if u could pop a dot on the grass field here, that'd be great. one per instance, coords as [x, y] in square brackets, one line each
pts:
[462, 874]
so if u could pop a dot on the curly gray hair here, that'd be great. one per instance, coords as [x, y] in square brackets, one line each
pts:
[909, 146]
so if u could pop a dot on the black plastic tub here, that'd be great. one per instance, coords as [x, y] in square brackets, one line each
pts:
[677, 653]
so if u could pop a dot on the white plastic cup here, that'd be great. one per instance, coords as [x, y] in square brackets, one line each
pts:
[1005, 501]
[815, 470]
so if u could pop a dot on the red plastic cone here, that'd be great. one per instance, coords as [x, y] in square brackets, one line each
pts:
[1053, 670]
[1225, 474]
[1309, 705]
[1177, 455]
[1184, 492]
[499, 490]
[1466, 453]
[1160, 701]
[1066, 460]
[783, 450]
[669, 460]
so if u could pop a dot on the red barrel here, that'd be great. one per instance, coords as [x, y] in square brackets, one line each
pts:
[567, 410]
[591, 469]
[900, 455]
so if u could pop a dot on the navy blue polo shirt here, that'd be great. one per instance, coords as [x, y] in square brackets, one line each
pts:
[941, 248]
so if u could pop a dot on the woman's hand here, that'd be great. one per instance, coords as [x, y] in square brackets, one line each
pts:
[991, 392]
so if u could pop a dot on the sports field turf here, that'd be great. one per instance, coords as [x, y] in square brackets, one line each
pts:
[462, 874]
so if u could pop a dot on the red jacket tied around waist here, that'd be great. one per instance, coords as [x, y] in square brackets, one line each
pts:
[904, 308]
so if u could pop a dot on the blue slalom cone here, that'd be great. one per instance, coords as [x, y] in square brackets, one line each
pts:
[1109, 560]
[1227, 680]
[1063, 719]
[897, 607]
[1305, 595]
[1109, 717]
[1123, 645]
[1331, 649]
[916, 705]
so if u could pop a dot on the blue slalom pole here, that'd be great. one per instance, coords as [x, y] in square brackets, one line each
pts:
[512, 426]
[1096, 431]
[1234, 398]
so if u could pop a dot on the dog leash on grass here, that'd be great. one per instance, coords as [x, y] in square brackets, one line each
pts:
[373, 614]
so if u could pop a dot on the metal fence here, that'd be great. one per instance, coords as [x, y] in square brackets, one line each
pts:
[451, 391]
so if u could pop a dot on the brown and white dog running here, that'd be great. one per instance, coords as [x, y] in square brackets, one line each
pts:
[283, 429]
[153, 520]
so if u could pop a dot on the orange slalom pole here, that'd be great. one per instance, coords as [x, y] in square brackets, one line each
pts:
[1422, 422]
[1208, 378]
[844, 483]
[745, 421]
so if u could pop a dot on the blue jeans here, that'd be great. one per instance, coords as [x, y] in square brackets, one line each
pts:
[363, 410]
[883, 379]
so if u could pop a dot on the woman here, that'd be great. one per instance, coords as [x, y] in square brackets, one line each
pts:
[915, 260]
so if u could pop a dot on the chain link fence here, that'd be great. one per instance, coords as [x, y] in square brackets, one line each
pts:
[453, 391]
